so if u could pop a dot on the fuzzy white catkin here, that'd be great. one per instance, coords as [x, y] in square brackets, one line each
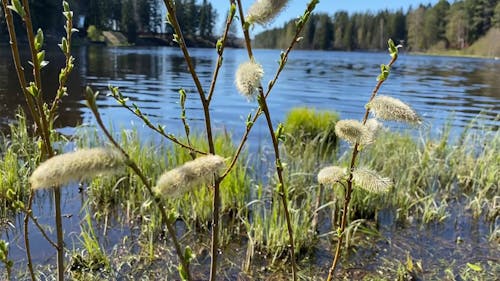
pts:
[180, 180]
[331, 174]
[79, 165]
[353, 132]
[264, 11]
[392, 109]
[248, 77]
[371, 181]
[373, 125]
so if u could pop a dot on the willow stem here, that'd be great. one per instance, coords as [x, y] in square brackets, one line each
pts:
[282, 188]
[158, 201]
[27, 239]
[347, 198]
[206, 110]
[285, 54]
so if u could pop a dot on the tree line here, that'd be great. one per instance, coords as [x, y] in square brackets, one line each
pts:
[442, 26]
[128, 16]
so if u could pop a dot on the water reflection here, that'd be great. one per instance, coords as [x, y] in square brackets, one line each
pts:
[11, 97]
[151, 77]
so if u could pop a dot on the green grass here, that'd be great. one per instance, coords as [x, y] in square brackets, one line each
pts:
[309, 127]
[431, 175]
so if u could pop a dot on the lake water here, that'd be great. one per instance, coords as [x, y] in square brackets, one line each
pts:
[441, 89]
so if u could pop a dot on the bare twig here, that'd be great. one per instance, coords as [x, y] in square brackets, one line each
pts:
[221, 44]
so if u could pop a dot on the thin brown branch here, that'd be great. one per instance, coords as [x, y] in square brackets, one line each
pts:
[282, 188]
[27, 239]
[348, 193]
[220, 51]
[206, 110]
[158, 130]
[17, 63]
[244, 138]
[158, 201]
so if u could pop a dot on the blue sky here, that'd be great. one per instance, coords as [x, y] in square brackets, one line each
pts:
[296, 8]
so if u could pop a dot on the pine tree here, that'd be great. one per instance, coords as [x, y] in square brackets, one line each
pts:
[496, 16]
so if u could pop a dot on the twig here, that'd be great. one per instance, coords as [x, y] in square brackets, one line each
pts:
[221, 44]
[282, 188]
[263, 106]
[17, 63]
[117, 96]
[216, 186]
[27, 239]
[40, 228]
[170, 228]
[284, 58]
[348, 193]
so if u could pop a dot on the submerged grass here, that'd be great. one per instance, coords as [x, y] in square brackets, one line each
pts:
[431, 173]
[194, 208]
[432, 177]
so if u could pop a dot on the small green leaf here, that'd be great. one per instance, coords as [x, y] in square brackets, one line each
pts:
[182, 97]
[475, 267]
[232, 10]
[39, 39]
[40, 57]
[65, 6]
[392, 48]
[280, 135]
[384, 72]
[3, 246]
[249, 122]
[68, 15]
[219, 46]
[188, 254]
[18, 8]
[182, 272]
[91, 97]
[32, 89]
[64, 45]
[43, 63]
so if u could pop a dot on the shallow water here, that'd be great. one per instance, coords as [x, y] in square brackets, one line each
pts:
[441, 89]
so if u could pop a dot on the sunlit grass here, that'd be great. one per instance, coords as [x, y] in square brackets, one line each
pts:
[431, 175]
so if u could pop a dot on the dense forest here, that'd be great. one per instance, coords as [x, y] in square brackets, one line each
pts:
[128, 16]
[445, 25]
[442, 26]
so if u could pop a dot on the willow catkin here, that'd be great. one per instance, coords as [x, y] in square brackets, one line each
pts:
[370, 180]
[264, 11]
[79, 165]
[373, 126]
[331, 174]
[392, 109]
[180, 180]
[248, 77]
[353, 132]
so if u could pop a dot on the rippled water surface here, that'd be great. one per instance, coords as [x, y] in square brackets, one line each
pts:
[439, 88]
